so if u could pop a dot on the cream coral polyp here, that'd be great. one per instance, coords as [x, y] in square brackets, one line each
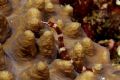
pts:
[46, 43]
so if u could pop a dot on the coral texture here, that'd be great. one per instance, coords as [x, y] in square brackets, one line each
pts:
[40, 40]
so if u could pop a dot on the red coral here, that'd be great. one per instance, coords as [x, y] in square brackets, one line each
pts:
[87, 29]
[81, 7]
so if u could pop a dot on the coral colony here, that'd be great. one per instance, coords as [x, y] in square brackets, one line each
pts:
[59, 39]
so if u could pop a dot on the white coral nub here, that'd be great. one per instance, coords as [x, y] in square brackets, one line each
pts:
[118, 2]
[118, 50]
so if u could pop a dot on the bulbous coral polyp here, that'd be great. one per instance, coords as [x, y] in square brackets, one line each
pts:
[87, 75]
[25, 47]
[39, 4]
[72, 29]
[78, 50]
[65, 67]
[78, 57]
[38, 71]
[6, 75]
[88, 46]
[34, 17]
[46, 44]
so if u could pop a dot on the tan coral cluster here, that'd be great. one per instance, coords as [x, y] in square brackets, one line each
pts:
[86, 76]
[38, 71]
[46, 44]
[60, 67]
[33, 17]
[33, 50]
[25, 46]
[5, 75]
[72, 29]
[88, 46]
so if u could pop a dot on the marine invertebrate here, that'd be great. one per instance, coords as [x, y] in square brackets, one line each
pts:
[72, 29]
[64, 67]
[78, 64]
[33, 23]
[78, 51]
[88, 46]
[87, 75]
[49, 7]
[50, 45]
[25, 47]
[107, 43]
[68, 10]
[80, 7]
[118, 50]
[35, 3]
[117, 2]
[78, 56]
[6, 75]
[101, 13]
[46, 45]
[97, 68]
[38, 71]
[105, 24]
